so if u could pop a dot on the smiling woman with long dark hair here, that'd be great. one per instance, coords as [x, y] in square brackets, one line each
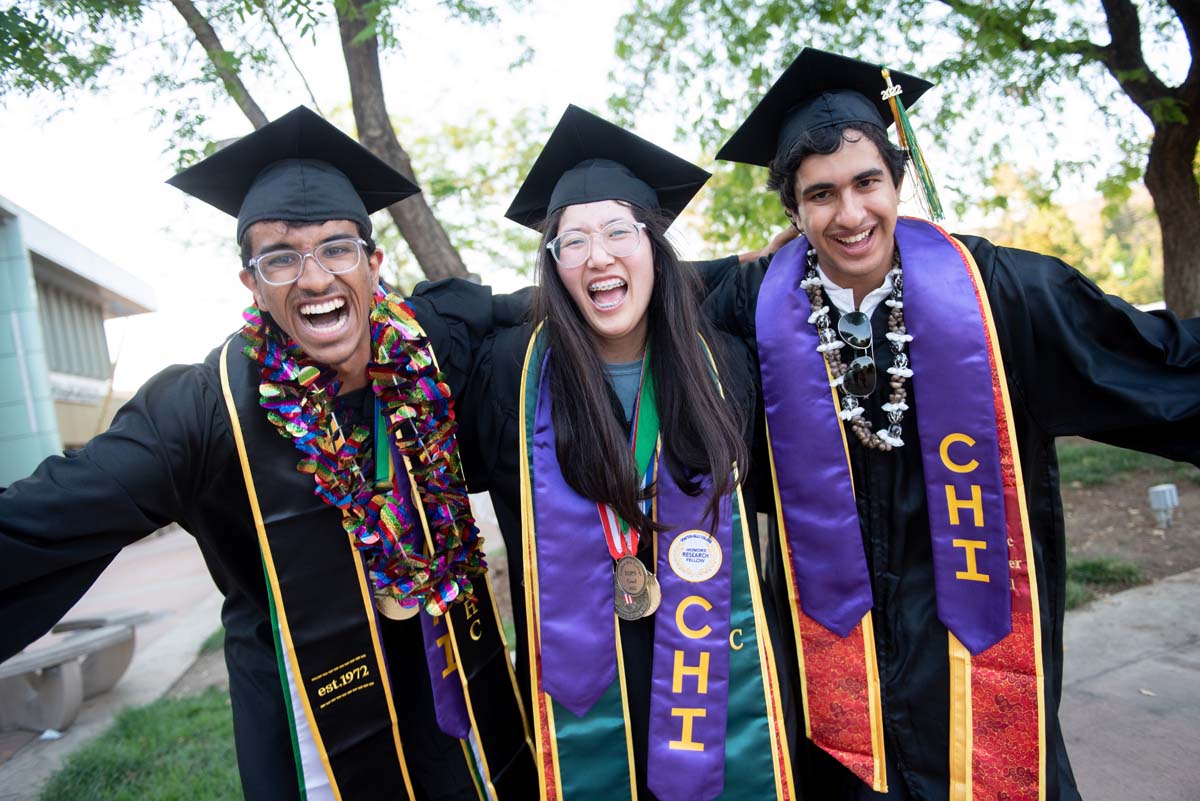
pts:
[611, 431]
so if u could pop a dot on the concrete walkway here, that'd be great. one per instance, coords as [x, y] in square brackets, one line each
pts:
[164, 575]
[1131, 693]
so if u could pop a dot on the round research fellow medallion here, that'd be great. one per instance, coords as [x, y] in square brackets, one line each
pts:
[695, 556]
[390, 608]
[630, 575]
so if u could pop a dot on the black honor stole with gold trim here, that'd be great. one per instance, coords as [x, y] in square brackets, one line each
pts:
[330, 641]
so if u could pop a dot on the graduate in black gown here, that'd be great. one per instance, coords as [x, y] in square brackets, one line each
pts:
[328, 359]
[914, 385]
[683, 698]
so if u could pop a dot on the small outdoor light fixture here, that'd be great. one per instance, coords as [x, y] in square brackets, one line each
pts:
[1163, 500]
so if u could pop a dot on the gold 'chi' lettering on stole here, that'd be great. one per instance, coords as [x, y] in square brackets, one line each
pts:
[684, 628]
[682, 670]
[971, 573]
[685, 741]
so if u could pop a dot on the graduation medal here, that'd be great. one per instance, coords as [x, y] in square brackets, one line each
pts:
[630, 596]
[390, 608]
[636, 593]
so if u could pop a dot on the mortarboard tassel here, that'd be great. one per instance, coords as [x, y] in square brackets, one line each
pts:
[908, 141]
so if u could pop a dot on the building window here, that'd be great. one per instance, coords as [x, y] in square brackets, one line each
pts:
[73, 327]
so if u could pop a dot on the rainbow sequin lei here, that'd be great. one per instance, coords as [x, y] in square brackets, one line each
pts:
[298, 395]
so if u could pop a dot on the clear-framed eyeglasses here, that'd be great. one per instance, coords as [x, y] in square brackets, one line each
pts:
[619, 239]
[282, 267]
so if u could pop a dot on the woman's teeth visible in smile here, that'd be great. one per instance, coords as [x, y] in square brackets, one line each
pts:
[324, 316]
[607, 294]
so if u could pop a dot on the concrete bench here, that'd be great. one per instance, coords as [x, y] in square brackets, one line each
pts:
[43, 686]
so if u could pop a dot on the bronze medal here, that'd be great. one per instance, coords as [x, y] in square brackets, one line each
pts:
[630, 575]
[390, 608]
[630, 607]
[653, 594]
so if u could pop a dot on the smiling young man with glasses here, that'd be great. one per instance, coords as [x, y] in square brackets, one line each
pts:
[314, 457]
[914, 383]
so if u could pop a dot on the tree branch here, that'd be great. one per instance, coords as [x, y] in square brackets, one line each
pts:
[1188, 12]
[222, 60]
[426, 238]
[1013, 29]
[265, 7]
[1124, 57]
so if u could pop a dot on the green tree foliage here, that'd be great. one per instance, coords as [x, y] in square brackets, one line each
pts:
[1115, 244]
[59, 47]
[1029, 218]
[1008, 73]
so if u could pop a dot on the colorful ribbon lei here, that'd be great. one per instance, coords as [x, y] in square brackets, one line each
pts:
[298, 396]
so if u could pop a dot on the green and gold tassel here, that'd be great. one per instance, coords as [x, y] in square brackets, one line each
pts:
[908, 141]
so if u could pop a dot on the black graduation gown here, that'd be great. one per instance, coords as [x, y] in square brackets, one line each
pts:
[1078, 362]
[170, 457]
[490, 427]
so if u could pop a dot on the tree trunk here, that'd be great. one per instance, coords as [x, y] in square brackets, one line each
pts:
[1172, 184]
[420, 228]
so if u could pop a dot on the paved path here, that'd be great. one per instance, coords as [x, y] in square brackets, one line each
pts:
[1131, 693]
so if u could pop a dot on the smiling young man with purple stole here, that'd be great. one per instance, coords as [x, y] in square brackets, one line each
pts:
[314, 458]
[914, 383]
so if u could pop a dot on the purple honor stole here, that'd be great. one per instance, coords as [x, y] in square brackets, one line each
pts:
[960, 443]
[977, 521]
[585, 747]
[449, 702]
[690, 681]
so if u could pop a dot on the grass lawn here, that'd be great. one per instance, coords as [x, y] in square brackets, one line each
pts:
[1085, 577]
[1092, 464]
[170, 750]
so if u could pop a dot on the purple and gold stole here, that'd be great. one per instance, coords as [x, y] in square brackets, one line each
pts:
[716, 723]
[979, 528]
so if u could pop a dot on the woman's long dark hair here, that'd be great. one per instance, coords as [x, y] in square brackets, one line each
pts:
[701, 431]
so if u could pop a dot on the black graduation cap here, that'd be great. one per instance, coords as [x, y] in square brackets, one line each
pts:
[588, 158]
[819, 89]
[297, 168]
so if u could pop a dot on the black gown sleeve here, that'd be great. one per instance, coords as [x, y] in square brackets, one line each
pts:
[713, 271]
[732, 293]
[457, 314]
[63, 525]
[1089, 364]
